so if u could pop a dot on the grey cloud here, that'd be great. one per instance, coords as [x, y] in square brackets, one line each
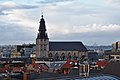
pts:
[52, 1]
[18, 7]
[25, 7]
[14, 34]
[89, 38]
[87, 14]
[2, 13]
[7, 8]
[113, 1]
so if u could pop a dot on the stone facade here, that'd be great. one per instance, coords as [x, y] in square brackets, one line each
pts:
[42, 47]
[65, 55]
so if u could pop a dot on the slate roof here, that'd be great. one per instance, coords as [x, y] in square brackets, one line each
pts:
[93, 56]
[67, 46]
[69, 63]
[113, 68]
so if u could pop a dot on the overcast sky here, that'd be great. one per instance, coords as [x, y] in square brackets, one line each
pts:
[89, 21]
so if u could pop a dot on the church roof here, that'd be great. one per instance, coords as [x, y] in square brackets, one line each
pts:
[67, 46]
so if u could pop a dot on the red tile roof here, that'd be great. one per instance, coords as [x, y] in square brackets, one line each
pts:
[102, 63]
[36, 67]
[3, 70]
[16, 69]
[69, 63]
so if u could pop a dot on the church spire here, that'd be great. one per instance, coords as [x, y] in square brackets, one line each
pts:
[42, 29]
[42, 15]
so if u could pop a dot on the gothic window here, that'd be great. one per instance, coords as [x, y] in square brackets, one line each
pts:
[56, 56]
[69, 56]
[62, 56]
[74, 54]
[44, 39]
[117, 57]
[50, 55]
[75, 57]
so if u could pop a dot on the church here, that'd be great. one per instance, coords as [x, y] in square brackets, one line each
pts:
[59, 50]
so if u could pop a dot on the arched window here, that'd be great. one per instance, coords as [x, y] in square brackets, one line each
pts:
[69, 56]
[50, 55]
[117, 57]
[44, 47]
[75, 56]
[63, 56]
[56, 56]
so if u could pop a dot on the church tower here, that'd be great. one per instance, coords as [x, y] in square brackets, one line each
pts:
[42, 40]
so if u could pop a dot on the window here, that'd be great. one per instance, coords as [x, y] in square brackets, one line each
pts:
[74, 54]
[69, 56]
[112, 57]
[59, 65]
[44, 47]
[55, 65]
[50, 55]
[117, 60]
[62, 56]
[117, 57]
[75, 57]
[41, 47]
[56, 56]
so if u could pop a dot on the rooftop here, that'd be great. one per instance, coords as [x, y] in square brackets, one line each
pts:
[72, 46]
